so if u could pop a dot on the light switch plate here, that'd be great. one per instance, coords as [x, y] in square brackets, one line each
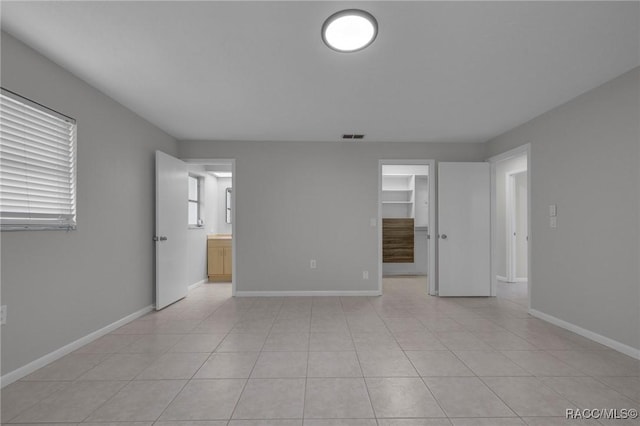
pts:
[553, 222]
[553, 210]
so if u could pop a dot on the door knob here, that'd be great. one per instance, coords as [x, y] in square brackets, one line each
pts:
[443, 236]
[163, 238]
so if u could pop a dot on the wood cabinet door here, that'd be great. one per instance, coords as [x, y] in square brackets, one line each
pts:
[216, 261]
[227, 261]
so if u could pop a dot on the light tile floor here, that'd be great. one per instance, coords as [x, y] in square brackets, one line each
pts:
[403, 359]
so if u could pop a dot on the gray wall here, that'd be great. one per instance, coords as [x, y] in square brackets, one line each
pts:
[196, 255]
[211, 213]
[197, 237]
[584, 158]
[60, 286]
[302, 201]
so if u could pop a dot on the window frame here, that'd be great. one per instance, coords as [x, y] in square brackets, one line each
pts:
[26, 220]
[199, 209]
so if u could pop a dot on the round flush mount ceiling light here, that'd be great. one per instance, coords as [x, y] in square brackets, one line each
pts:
[349, 30]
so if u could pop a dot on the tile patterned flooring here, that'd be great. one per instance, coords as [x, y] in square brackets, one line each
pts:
[403, 359]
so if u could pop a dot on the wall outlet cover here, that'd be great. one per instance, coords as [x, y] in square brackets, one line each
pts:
[313, 264]
[365, 275]
[3, 314]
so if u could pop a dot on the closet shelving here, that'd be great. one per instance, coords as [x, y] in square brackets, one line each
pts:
[398, 195]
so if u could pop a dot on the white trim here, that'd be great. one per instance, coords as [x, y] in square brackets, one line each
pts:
[431, 271]
[515, 152]
[298, 293]
[613, 344]
[196, 285]
[23, 371]
[501, 278]
[234, 239]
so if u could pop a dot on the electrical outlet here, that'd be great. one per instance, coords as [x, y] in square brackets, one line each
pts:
[3, 314]
[365, 275]
[312, 264]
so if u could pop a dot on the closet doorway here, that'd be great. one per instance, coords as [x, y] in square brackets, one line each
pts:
[406, 244]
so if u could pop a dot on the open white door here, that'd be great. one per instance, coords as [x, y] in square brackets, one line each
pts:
[464, 226]
[171, 229]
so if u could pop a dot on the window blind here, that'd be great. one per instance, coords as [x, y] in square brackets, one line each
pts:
[37, 166]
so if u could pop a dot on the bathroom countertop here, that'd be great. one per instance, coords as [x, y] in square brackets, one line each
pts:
[219, 237]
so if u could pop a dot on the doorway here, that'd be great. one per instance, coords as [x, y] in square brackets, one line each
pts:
[181, 236]
[406, 199]
[510, 223]
[211, 246]
[517, 233]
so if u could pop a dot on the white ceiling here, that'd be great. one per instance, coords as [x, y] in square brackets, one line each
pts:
[437, 72]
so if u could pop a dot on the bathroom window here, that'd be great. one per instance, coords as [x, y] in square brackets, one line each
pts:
[195, 204]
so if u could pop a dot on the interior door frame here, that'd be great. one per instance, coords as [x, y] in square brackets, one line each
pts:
[234, 196]
[432, 288]
[515, 152]
[511, 209]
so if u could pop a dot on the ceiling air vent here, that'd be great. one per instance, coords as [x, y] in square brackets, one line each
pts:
[353, 136]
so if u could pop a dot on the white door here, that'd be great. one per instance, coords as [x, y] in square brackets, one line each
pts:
[464, 224]
[171, 229]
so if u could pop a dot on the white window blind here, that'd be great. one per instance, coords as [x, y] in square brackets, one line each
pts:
[37, 166]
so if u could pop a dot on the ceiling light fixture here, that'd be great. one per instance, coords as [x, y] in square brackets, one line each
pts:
[222, 174]
[349, 30]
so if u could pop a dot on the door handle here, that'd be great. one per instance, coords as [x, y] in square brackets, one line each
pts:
[163, 238]
[443, 236]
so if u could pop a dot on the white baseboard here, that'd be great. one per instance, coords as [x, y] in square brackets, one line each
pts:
[306, 293]
[613, 344]
[25, 370]
[501, 278]
[196, 285]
